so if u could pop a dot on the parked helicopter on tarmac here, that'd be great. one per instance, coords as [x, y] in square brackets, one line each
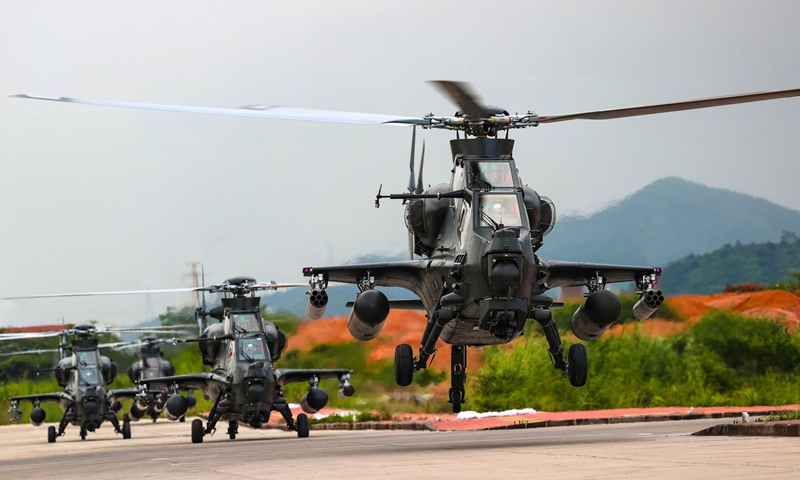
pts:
[151, 364]
[480, 280]
[85, 375]
[241, 349]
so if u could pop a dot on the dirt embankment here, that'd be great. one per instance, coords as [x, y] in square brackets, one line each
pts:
[775, 304]
[407, 327]
[400, 327]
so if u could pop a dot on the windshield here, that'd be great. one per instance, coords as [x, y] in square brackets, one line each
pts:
[502, 208]
[152, 368]
[89, 376]
[246, 322]
[252, 349]
[86, 357]
[494, 174]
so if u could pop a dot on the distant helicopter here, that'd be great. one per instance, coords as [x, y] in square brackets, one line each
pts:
[150, 364]
[479, 280]
[241, 349]
[85, 375]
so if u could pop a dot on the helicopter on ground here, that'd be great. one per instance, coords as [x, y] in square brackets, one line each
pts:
[241, 349]
[480, 279]
[85, 375]
[151, 364]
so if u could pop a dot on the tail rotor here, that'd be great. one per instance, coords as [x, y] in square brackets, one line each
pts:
[201, 312]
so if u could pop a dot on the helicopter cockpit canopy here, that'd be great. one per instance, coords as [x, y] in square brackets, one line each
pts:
[251, 349]
[85, 358]
[502, 208]
[152, 368]
[246, 322]
[496, 174]
[89, 376]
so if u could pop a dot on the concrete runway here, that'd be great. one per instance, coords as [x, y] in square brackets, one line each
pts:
[640, 450]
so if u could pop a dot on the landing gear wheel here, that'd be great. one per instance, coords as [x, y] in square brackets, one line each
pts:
[302, 425]
[126, 429]
[233, 427]
[403, 365]
[455, 397]
[577, 365]
[197, 431]
[182, 419]
[83, 434]
[126, 418]
[51, 434]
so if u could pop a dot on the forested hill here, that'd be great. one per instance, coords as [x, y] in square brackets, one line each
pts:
[762, 263]
[665, 221]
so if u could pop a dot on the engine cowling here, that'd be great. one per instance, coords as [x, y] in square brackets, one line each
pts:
[595, 315]
[368, 315]
[424, 218]
[176, 407]
[317, 302]
[37, 416]
[314, 401]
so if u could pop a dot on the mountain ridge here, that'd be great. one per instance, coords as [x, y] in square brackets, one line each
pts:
[665, 221]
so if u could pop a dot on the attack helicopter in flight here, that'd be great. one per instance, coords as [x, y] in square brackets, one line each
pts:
[241, 350]
[480, 279]
[85, 375]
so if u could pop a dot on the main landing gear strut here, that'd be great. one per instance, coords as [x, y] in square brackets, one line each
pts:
[405, 365]
[576, 364]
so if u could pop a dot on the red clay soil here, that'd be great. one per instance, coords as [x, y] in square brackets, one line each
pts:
[402, 326]
[776, 304]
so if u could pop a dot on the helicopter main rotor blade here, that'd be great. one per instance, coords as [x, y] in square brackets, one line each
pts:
[122, 292]
[259, 111]
[671, 107]
[461, 94]
[30, 352]
[74, 331]
[28, 335]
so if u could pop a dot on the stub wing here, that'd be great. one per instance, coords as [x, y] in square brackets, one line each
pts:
[575, 274]
[197, 381]
[290, 375]
[62, 398]
[406, 274]
[121, 394]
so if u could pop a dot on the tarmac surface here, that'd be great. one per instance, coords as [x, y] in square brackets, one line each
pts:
[631, 450]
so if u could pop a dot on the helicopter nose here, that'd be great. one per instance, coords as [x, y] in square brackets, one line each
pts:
[504, 274]
[256, 391]
[90, 406]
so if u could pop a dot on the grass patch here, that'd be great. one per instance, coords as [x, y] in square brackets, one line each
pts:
[782, 416]
[724, 359]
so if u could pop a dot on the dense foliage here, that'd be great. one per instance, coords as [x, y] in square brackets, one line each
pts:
[724, 359]
[759, 263]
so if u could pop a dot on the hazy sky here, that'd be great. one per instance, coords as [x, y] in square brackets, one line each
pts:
[96, 198]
